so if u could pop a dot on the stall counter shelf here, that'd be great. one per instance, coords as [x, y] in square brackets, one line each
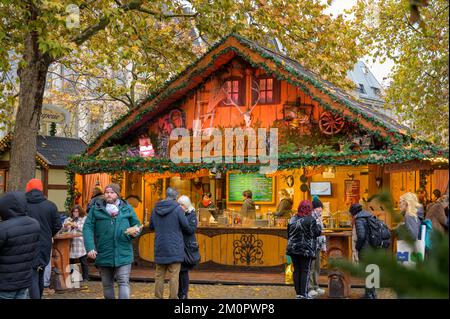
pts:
[242, 247]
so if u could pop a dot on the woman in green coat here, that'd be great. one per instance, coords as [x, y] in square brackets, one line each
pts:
[114, 224]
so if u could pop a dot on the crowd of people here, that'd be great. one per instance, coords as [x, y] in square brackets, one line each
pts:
[109, 225]
[305, 239]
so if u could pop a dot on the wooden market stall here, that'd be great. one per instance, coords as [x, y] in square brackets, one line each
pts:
[328, 144]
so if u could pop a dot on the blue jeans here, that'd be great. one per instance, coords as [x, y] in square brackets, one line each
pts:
[16, 294]
[122, 274]
[48, 272]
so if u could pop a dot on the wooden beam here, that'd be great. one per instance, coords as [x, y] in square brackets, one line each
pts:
[4, 164]
[60, 187]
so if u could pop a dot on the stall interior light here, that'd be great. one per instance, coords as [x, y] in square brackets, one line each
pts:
[438, 160]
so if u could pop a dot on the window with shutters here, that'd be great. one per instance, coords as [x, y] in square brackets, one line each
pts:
[269, 91]
[235, 91]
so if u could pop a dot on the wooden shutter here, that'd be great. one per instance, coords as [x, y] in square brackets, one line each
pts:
[276, 91]
[242, 91]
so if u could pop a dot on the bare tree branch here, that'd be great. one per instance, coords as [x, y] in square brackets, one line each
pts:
[104, 21]
[168, 16]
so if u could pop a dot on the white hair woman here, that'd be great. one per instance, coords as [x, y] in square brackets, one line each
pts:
[409, 205]
[192, 254]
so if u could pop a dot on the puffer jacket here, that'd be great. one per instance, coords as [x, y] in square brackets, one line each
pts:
[302, 236]
[362, 230]
[169, 223]
[19, 238]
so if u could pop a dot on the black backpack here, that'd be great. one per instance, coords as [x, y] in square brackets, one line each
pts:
[379, 233]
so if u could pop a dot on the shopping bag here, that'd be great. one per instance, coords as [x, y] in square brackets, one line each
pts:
[410, 253]
[75, 278]
[289, 274]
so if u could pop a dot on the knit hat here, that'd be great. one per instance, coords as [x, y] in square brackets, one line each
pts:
[316, 202]
[355, 209]
[34, 184]
[114, 187]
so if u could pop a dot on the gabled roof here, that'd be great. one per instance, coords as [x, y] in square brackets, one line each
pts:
[51, 150]
[284, 68]
[361, 75]
[57, 150]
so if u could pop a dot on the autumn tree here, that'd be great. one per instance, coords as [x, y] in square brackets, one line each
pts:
[152, 40]
[418, 45]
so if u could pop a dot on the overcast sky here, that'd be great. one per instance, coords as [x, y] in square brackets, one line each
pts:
[380, 71]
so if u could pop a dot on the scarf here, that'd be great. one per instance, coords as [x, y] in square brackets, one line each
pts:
[113, 209]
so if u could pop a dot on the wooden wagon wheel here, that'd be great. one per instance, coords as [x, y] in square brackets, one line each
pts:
[330, 124]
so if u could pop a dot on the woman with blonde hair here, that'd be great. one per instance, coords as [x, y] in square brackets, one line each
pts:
[192, 254]
[409, 205]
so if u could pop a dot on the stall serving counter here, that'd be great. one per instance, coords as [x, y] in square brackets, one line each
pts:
[254, 244]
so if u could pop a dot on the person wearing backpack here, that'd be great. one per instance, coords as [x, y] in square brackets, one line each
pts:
[370, 232]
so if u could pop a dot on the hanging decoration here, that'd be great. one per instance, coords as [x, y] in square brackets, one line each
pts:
[331, 124]
[145, 146]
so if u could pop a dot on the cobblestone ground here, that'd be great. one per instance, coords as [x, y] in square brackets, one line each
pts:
[140, 290]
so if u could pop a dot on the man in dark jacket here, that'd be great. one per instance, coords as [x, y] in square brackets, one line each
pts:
[169, 222]
[19, 236]
[362, 238]
[46, 213]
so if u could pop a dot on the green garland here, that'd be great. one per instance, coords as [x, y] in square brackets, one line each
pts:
[89, 165]
[280, 64]
[70, 176]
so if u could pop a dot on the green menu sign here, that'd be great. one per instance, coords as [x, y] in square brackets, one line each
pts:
[261, 186]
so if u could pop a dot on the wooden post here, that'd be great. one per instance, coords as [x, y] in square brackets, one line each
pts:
[45, 181]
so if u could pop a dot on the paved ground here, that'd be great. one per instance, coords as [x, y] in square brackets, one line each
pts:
[147, 274]
[141, 290]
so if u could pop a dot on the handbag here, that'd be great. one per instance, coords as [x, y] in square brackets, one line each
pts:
[289, 274]
[191, 253]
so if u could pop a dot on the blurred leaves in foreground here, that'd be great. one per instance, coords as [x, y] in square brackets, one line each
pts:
[427, 279]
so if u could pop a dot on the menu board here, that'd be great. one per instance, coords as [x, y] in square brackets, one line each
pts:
[352, 191]
[261, 186]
